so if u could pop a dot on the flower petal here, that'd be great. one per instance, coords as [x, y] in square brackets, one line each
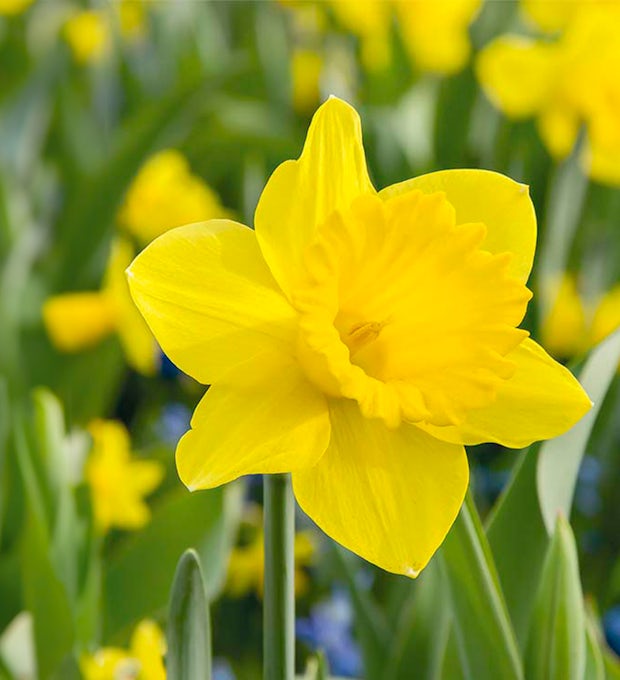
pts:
[266, 419]
[541, 401]
[389, 495]
[502, 204]
[207, 295]
[328, 175]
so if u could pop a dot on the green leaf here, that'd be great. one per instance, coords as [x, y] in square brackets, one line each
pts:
[189, 631]
[487, 643]
[595, 664]
[205, 520]
[317, 668]
[559, 459]
[556, 647]
[518, 540]
[422, 629]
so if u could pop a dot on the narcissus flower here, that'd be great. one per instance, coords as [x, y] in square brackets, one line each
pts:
[117, 481]
[143, 660]
[76, 321]
[358, 340]
[573, 326]
[165, 194]
[564, 83]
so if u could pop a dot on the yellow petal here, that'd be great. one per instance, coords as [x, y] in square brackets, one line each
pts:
[137, 340]
[502, 204]
[606, 316]
[328, 175]
[541, 401]
[549, 16]
[388, 495]
[148, 647]
[558, 126]
[75, 321]
[209, 299]
[563, 330]
[267, 418]
[518, 74]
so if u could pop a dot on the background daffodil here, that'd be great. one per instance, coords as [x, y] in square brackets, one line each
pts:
[358, 340]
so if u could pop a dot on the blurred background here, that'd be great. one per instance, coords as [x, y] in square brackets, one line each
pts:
[120, 120]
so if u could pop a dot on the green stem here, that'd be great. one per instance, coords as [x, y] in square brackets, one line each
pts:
[279, 604]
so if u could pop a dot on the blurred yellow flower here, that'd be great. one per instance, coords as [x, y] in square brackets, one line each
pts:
[142, 661]
[246, 567]
[76, 321]
[549, 16]
[165, 194]
[572, 327]
[563, 330]
[434, 33]
[118, 482]
[566, 83]
[13, 7]
[358, 339]
[131, 18]
[88, 35]
[306, 67]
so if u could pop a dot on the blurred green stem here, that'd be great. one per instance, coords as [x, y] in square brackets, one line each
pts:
[279, 603]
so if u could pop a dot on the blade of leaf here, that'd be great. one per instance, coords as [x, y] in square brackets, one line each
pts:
[487, 641]
[189, 629]
[205, 520]
[560, 458]
[556, 648]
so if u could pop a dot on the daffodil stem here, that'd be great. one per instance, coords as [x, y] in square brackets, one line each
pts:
[279, 602]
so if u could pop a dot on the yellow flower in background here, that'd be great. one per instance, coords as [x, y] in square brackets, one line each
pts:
[563, 330]
[358, 339]
[14, 7]
[165, 194]
[89, 36]
[435, 34]
[142, 661]
[573, 326]
[549, 16]
[131, 16]
[77, 321]
[246, 567]
[117, 481]
[566, 83]
[306, 68]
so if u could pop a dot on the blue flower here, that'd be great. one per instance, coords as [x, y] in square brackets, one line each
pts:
[329, 628]
[611, 626]
[173, 422]
[222, 670]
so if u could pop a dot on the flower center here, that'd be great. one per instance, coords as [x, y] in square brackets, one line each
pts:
[403, 311]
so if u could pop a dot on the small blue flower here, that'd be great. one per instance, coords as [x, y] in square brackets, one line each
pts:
[587, 495]
[329, 628]
[173, 422]
[611, 626]
[222, 670]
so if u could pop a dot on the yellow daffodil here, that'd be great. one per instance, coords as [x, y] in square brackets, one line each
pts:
[549, 16]
[573, 326]
[14, 7]
[434, 33]
[118, 482]
[246, 567]
[166, 194]
[143, 660]
[358, 339]
[76, 321]
[89, 36]
[564, 330]
[131, 16]
[306, 67]
[566, 83]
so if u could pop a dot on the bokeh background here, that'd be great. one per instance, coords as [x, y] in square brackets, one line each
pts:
[120, 120]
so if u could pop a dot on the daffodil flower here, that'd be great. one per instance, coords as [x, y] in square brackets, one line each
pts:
[77, 321]
[358, 339]
[117, 481]
[143, 659]
[14, 7]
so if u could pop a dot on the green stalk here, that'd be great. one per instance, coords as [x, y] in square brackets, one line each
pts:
[279, 603]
